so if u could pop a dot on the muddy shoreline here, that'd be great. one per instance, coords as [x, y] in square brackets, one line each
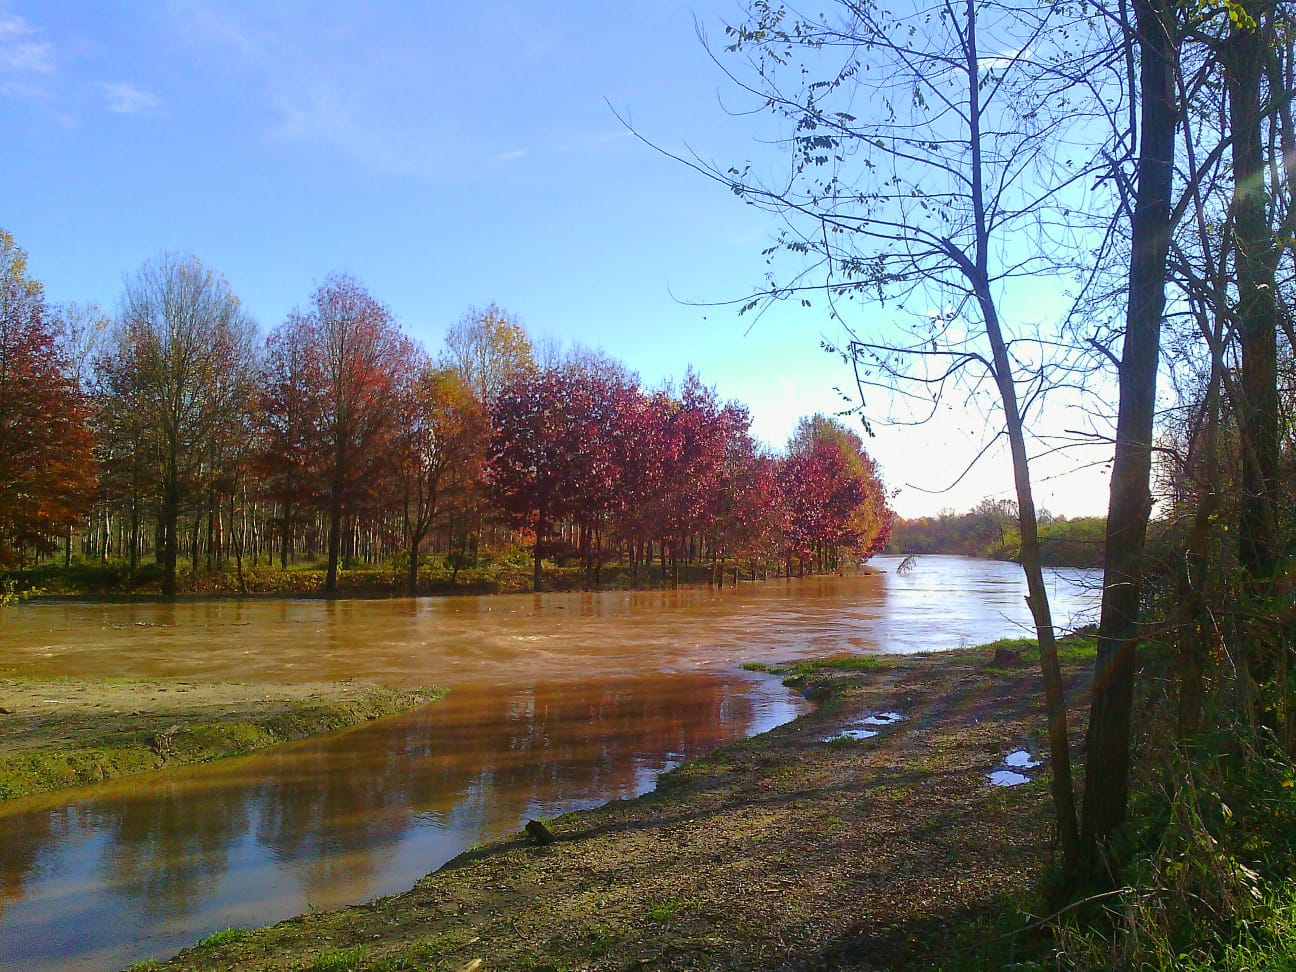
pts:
[796, 849]
[57, 733]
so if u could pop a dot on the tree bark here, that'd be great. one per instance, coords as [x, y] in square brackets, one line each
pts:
[334, 538]
[1130, 503]
[540, 529]
[977, 272]
[170, 529]
[1255, 260]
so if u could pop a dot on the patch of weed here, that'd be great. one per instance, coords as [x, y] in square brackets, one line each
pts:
[665, 911]
[338, 960]
[226, 936]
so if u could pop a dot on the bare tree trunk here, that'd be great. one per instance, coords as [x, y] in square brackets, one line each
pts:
[1255, 264]
[535, 570]
[1130, 503]
[170, 528]
[334, 538]
[977, 272]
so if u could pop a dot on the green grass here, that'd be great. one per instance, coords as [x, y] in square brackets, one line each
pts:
[1072, 649]
[227, 936]
[796, 674]
[665, 911]
[110, 756]
[338, 960]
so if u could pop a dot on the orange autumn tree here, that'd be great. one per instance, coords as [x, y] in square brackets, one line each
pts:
[46, 468]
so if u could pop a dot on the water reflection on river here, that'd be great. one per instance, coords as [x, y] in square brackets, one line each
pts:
[559, 702]
[143, 867]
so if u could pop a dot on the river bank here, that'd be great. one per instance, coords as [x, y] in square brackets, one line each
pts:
[886, 847]
[115, 581]
[64, 732]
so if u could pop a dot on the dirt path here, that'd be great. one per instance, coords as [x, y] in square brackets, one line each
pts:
[56, 733]
[783, 851]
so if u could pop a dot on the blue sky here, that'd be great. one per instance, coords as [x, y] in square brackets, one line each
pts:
[447, 155]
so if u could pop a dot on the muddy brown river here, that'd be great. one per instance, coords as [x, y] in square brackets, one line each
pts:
[559, 702]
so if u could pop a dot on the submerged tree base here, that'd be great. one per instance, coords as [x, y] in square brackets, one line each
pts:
[782, 851]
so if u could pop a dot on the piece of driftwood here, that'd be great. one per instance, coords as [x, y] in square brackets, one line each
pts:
[539, 833]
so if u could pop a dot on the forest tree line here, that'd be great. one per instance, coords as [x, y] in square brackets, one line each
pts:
[991, 530]
[174, 432]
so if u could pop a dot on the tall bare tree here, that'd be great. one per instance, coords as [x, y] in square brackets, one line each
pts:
[487, 347]
[940, 158]
[1155, 36]
[184, 348]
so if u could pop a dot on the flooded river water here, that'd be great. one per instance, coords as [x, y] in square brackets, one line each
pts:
[559, 702]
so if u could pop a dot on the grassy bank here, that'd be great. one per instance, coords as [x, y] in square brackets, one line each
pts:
[800, 848]
[505, 575]
[68, 732]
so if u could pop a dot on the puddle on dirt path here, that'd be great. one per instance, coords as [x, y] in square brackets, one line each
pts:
[859, 729]
[882, 719]
[853, 734]
[1021, 759]
[1009, 774]
[1008, 778]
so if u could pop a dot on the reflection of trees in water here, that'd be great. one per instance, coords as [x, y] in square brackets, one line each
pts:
[168, 846]
[337, 808]
[334, 808]
[562, 745]
[27, 839]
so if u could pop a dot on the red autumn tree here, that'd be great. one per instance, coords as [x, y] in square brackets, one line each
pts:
[46, 466]
[648, 457]
[744, 510]
[551, 454]
[363, 359]
[604, 394]
[834, 497]
[698, 436]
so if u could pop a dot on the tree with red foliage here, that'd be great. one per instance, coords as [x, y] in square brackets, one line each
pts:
[648, 457]
[744, 511]
[707, 437]
[363, 358]
[835, 498]
[46, 466]
[551, 454]
[606, 394]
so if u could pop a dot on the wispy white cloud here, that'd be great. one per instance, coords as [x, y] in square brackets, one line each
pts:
[21, 49]
[124, 98]
[314, 90]
[348, 79]
[26, 60]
